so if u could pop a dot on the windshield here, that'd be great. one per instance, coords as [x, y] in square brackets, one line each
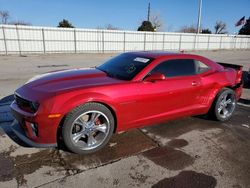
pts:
[125, 66]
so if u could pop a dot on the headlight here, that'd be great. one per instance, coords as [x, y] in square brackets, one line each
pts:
[34, 106]
[25, 104]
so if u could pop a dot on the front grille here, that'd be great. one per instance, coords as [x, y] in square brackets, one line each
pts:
[25, 104]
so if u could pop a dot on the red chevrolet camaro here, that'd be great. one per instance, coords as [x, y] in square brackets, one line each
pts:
[84, 107]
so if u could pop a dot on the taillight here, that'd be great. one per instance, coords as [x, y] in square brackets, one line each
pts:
[239, 75]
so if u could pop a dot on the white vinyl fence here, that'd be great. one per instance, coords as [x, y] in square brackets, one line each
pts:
[30, 39]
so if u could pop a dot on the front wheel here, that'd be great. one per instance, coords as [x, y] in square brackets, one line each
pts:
[88, 128]
[224, 105]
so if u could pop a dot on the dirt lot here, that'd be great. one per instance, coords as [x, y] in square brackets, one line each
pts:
[190, 152]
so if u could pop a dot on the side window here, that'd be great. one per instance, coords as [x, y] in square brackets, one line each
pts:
[201, 67]
[176, 67]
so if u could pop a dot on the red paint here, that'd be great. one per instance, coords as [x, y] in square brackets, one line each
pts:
[135, 103]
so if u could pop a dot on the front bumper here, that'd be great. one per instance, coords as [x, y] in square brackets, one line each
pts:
[20, 133]
[46, 135]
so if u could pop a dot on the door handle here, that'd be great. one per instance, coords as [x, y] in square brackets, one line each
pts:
[194, 83]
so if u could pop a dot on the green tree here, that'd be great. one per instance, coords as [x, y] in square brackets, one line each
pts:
[245, 30]
[65, 23]
[206, 31]
[146, 26]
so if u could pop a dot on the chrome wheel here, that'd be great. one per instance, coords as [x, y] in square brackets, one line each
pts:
[90, 130]
[226, 105]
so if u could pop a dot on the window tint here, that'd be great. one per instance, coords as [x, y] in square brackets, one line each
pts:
[177, 67]
[201, 67]
[125, 66]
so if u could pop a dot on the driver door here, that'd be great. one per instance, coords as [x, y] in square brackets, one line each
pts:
[173, 97]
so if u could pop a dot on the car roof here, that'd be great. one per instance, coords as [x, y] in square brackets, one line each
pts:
[165, 54]
[155, 54]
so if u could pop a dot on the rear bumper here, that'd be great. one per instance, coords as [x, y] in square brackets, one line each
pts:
[238, 90]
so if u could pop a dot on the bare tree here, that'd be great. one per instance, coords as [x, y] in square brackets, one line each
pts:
[4, 16]
[169, 28]
[19, 22]
[188, 29]
[220, 27]
[111, 27]
[108, 27]
[157, 22]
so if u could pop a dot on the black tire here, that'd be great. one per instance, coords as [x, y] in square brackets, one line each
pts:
[216, 111]
[70, 124]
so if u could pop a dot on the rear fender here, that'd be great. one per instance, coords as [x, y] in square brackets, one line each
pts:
[235, 83]
[213, 96]
[237, 88]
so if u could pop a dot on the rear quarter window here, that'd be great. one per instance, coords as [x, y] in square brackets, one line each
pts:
[201, 67]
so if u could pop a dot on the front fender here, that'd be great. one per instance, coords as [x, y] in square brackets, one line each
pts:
[63, 106]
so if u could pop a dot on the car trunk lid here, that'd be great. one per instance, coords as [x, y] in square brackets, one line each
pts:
[237, 68]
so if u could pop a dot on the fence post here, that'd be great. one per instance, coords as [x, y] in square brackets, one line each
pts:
[163, 41]
[75, 39]
[5, 42]
[180, 42]
[102, 41]
[97, 41]
[194, 43]
[124, 41]
[220, 41]
[248, 43]
[44, 48]
[152, 41]
[18, 41]
[240, 42]
[208, 41]
[232, 43]
[144, 48]
[235, 39]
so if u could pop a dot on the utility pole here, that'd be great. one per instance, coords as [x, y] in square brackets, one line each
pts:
[199, 17]
[148, 11]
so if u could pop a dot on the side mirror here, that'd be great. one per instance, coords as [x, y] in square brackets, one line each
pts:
[155, 77]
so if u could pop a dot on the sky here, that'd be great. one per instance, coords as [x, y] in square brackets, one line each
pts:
[127, 14]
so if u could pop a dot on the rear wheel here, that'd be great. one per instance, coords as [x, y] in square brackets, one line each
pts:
[88, 128]
[224, 105]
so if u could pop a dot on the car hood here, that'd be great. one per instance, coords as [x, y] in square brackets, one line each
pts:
[66, 80]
